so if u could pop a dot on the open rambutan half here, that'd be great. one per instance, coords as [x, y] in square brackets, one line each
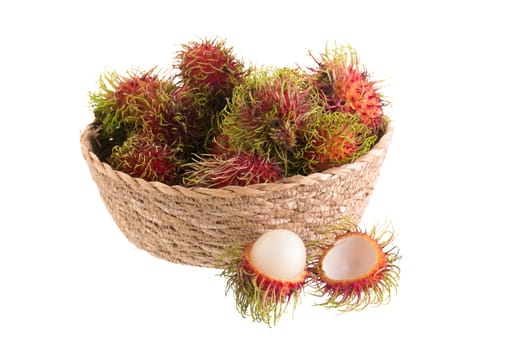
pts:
[266, 275]
[358, 269]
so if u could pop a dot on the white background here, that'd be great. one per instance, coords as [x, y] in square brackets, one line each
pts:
[452, 183]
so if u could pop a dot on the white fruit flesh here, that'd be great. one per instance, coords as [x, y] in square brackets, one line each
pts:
[349, 259]
[279, 254]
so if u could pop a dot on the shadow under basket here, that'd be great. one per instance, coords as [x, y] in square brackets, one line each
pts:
[193, 226]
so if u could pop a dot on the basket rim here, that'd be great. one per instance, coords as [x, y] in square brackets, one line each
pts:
[231, 190]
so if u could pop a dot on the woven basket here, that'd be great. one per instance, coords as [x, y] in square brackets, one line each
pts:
[193, 225]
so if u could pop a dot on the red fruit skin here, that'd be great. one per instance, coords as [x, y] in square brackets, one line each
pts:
[272, 287]
[347, 87]
[354, 93]
[236, 169]
[332, 150]
[210, 66]
[144, 157]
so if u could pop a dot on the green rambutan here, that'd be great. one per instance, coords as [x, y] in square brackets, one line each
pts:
[347, 87]
[145, 157]
[266, 275]
[232, 169]
[332, 139]
[211, 67]
[267, 112]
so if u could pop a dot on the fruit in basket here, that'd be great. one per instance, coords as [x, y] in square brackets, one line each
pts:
[331, 139]
[266, 275]
[232, 169]
[210, 66]
[357, 269]
[208, 71]
[347, 86]
[145, 157]
[125, 100]
[266, 112]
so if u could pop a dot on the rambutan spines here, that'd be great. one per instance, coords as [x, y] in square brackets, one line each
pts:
[266, 275]
[331, 139]
[267, 111]
[347, 86]
[232, 169]
[125, 101]
[211, 67]
[145, 157]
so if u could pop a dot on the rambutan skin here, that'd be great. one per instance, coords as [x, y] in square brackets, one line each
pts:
[267, 112]
[232, 169]
[139, 100]
[347, 86]
[144, 157]
[331, 139]
[210, 66]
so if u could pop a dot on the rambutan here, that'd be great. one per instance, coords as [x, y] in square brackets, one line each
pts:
[358, 269]
[266, 275]
[332, 139]
[347, 86]
[145, 157]
[232, 169]
[122, 101]
[192, 106]
[267, 112]
[211, 67]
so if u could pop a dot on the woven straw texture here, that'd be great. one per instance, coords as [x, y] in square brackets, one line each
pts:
[193, 225]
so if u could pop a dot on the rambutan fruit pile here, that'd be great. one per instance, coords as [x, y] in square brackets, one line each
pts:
[211, 120]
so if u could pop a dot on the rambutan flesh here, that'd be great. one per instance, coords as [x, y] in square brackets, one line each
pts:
[211, 67]
[358, 269]
[347, 87]
[232, 169]
[144, 157]
[332, 139]
[267, 112]
[266, 275]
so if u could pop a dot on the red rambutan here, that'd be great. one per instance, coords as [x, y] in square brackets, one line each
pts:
[144, 157]
[211, 67]
[267, 112]
[232, 169]
[347, 87]
[332, 139]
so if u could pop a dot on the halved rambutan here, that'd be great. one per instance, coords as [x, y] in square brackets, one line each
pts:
[358, 269]
[266, 275]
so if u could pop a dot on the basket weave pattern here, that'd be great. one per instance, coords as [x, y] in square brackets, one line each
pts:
[193, 225]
